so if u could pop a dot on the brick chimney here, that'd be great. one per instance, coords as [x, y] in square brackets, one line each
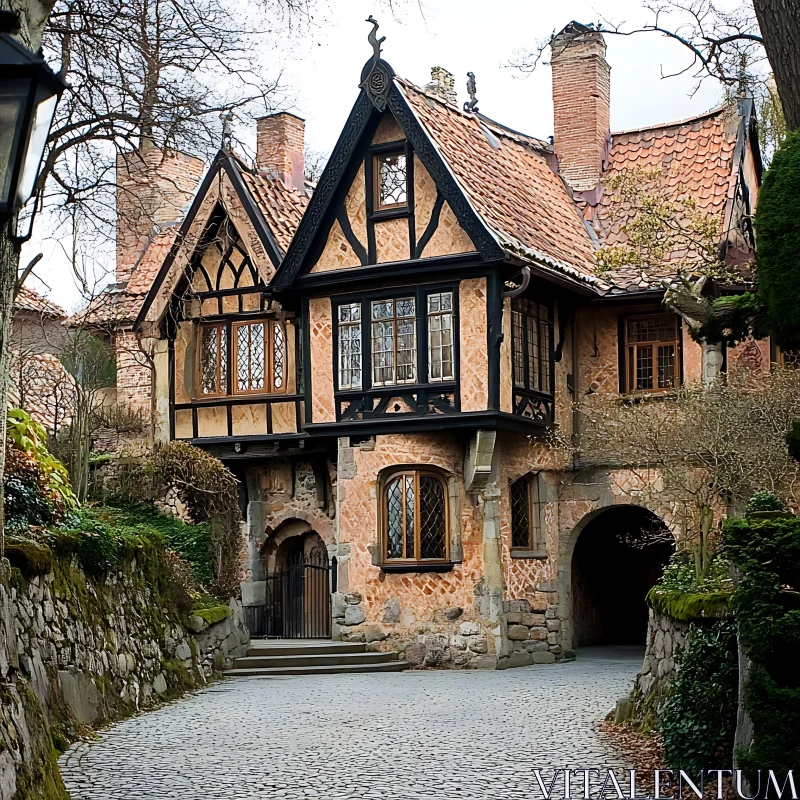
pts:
[280, 142]
[443, 85]
[154, 189]
[581, 104]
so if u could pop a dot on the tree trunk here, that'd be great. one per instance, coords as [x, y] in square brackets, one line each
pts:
[9, 266]
[779, 21]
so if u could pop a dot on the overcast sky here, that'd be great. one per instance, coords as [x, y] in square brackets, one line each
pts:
[321, 74]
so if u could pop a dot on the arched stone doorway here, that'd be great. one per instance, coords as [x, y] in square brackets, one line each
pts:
[619, 555]
[298, 588]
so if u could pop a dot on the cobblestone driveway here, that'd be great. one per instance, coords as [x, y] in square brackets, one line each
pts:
[404, 736]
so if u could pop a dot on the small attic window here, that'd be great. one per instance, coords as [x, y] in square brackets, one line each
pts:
[391, 186]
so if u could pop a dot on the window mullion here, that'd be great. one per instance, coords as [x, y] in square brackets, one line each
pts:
[417, 541]
[269, 357]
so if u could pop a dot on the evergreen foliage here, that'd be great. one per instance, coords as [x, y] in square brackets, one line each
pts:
[778, 243]
[697, 722]
[765, 501]
[767, 608]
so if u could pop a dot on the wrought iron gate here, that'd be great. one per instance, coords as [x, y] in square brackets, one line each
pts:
[299, 598]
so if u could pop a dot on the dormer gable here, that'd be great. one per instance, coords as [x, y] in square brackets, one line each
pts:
[386, 196]
[242, 222]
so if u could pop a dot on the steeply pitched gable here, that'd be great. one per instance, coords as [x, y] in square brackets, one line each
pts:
[263, 211]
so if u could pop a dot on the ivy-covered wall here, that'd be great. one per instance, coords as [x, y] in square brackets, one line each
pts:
[78, 651]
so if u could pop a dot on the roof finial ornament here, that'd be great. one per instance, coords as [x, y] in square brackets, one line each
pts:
[471, 107]
[373, 38]
[227, 134]
[377, 75]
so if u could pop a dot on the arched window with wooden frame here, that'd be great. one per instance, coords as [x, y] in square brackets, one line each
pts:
[415, 519]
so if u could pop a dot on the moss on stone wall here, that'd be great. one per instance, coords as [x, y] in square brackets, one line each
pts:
[38, 777]
[212, 615]
[686, 607]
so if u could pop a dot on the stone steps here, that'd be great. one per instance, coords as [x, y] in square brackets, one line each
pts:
[324, 660]
[267, 657]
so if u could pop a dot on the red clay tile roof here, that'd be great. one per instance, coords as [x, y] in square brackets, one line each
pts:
[696, 157]
[281, 206]
[28, 300]
[113, 306]
[507, 178]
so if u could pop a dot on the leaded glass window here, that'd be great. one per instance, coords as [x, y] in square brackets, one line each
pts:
[213, 359]
[440, 336]
[258, 359]
[278, 356]
[250, 357]
[394, 342]
[415, 517]
[532, 346]
[527, 529]
[651, 344]
[350, 346]
[391, 190]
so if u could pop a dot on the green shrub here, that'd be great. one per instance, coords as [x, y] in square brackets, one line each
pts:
[680, 575]
[765, 501]
[767, 554]
[190, 542]
[778, 243]
[697, 722]
[210, 491]
[26, 435]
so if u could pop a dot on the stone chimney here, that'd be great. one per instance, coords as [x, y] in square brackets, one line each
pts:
[280, 142]
[154, 190]
[443, 85]
[581, 104]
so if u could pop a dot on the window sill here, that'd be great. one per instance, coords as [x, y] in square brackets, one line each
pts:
[528, 554]
[418, 566]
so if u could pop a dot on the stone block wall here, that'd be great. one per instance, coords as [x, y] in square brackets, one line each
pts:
[77, 652]
[666, 637]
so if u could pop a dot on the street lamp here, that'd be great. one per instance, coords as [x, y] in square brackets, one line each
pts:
[29, 92]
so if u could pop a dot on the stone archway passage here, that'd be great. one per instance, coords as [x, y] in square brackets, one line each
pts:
[618, 558]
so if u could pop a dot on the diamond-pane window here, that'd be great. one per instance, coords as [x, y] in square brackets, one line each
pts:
[527, 524]
[259, 358]
[651, 345]
[415, 517]
[390, 181]
[213, 359]
[278, 356]
[520, 514]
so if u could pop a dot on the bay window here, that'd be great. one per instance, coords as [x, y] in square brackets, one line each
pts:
[406, 340]
[257, 353]
[394, 342]
[532, 346]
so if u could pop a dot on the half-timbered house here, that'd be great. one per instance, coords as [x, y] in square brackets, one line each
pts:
[383, 372]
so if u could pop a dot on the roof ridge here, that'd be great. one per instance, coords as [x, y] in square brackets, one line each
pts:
[695, 118]
[502, 130]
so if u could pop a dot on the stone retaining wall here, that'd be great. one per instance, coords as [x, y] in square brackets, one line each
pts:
[77, 652]
[665, 638]
[534, 634]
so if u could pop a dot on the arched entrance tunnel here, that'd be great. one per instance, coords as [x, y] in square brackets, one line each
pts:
[619, 556]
